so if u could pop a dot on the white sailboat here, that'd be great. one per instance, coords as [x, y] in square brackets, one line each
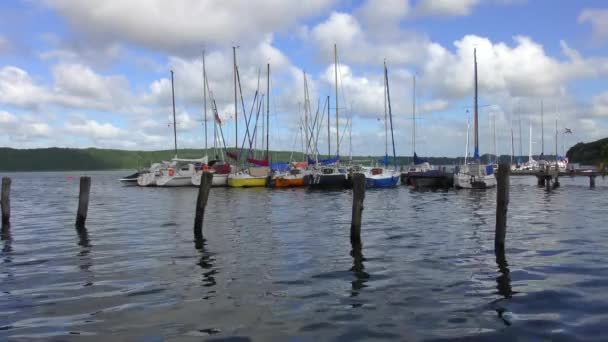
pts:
[178, 171]
[475, 175]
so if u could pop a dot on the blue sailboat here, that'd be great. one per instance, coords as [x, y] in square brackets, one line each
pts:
[385, 177]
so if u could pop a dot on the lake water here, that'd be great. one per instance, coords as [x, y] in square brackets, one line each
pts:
[276, 264]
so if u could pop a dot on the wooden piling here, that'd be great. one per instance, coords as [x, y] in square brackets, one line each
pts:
[548, 182]
[201, 203]
[591, 182]
[502, 205]
[358, 198]
[83, 201]
[5, 202]
[556, 182]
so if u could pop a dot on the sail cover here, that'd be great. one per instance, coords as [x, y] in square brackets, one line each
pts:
[258, 162]
[418, 160]
[324, 161]
[279, 166]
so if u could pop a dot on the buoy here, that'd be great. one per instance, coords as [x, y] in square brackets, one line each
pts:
[171, 172]
[205, 167]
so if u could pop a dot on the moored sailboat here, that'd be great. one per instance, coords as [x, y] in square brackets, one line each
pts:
[475, 175]
[331, 176]
[385, 177]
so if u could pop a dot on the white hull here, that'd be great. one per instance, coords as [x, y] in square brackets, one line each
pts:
[146, 179]
[171, 181]
[218, 179]
[469, 181]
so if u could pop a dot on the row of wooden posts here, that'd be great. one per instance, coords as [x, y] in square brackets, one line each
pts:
[502, 203]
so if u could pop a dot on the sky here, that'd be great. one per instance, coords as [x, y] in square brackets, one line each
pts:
[97, 73]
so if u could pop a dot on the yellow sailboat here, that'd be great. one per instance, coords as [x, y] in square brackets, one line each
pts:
[255, 177]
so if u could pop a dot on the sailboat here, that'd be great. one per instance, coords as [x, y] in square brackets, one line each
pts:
[218, 167]
[252, 176]
[383, 177]
[178, 171]
[331, 176]
[475, 175]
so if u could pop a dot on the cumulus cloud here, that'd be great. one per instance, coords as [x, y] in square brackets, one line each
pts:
[185, 24]
[23, 128]
[600, 105]
[598, 18]
[446, 7]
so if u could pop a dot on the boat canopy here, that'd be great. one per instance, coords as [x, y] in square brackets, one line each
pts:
[324, 161]
[279, 166]
[202, 160]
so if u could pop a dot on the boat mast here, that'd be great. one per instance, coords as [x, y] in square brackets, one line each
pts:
[414, 116]
[236, 121]
[494, 129]
[520, 135]
[337, 118]
[542, 131]
[475, 120]
[530, 146]
[466, 152]
[390, 115]
[205, 89]
[268, 112]
[328, 130]
[174, 123]
[556, 164]
[385, 123]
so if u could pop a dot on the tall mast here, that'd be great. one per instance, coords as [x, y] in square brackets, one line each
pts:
[236, 121]
[542, 131]
[268, 112]
[494, 130]
[390, 115]
[530, 144]
[306, 107]
[556, 165]
[328, 130]
[520, 136]
[475, 120]
[385, 121]
[174, 123]
[414, 116]
[205, 89]
[337, 118]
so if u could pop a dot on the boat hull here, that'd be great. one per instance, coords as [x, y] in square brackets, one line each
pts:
[435, 179]
[468, 181]
[175, 181]
[282, 182]
[246, 182]
[382, 182]
[218, 180]
[146, 179]
[333, 181]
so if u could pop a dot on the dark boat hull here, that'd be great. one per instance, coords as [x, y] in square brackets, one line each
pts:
[429, 180]
[333, 181]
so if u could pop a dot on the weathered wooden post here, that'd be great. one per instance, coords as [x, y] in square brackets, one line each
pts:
[591, 181]
[358, 198]
[556, 181]
[502, 205]
[548, 182]
[83, 201]
[201, 203]
[6, 201]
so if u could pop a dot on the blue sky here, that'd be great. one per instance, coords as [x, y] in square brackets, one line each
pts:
[96, 74]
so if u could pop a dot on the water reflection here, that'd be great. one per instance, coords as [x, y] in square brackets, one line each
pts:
[85, 261]
[7, 245]
[206, 261]
[361, 277]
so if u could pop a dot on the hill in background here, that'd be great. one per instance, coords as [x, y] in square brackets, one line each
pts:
[69, 159]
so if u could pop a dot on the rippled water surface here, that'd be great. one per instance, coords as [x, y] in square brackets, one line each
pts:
[276, 265]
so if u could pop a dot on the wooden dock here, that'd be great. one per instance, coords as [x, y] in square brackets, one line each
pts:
[545, 177]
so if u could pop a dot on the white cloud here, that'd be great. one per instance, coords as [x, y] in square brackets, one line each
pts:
[185, 24]
[600, 105]
[79, 125]
[23, 128]
[446, 7]
[598, 18]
